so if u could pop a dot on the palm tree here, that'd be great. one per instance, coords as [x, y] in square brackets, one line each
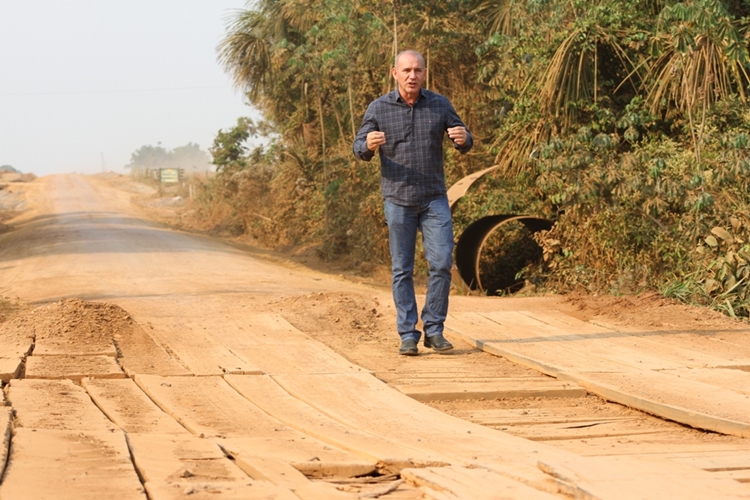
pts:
[702, 59]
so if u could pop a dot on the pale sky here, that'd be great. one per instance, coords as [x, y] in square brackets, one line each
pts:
[85, 83]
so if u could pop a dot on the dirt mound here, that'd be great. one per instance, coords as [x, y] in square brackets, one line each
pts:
[647, 309]
[319, 312]
[73, 321]
[80, 329]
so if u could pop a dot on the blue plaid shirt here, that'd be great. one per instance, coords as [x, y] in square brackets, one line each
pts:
[411, 160]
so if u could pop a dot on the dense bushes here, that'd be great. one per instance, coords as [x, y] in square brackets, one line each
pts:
[623, 120]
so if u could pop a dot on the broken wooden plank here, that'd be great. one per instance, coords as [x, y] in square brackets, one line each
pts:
[499, 388]
[285, 475]
[130, 408]
[307, 455]
[72, 367]
[70, 465]
[185, 466]
[55, 405]
[362, 401]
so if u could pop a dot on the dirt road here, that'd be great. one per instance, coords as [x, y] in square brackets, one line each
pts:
[161, 364]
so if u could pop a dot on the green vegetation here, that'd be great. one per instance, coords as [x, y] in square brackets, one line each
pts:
[625, 121]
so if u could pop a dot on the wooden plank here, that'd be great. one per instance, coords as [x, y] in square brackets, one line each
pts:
[209, 407]
[141, 354]
[184, 466]
[499, 388]
[530, 416]
[55, 405]
[72, 367]
[311, 458]
[712, 461]
[359, 400]
[438, 376]
[524, 328]
[202, 354]
[592, 429]
[286, 476]
[65, 465]
[130, 408]
[655, 341]
[271, 398]
[693, 403]
[274, 345]
[10, 368]
[475, 483]
[653, 392]
[6, 416]
[544, 357]
[725, 378]
[362, 401]
[664, 445]
[643, 477]
[16, 342]
[741, 476]
[71, 343]
[730, 344]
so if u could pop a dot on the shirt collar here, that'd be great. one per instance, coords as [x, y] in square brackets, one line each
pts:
[396, 96]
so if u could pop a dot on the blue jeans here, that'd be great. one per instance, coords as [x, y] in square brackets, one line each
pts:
[433, 219]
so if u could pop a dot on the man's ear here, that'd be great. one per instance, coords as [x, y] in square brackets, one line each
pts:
[393, 73]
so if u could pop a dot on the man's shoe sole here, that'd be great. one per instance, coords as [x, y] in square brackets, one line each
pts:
[409, 352]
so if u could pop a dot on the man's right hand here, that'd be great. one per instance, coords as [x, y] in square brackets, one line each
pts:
[375, 140]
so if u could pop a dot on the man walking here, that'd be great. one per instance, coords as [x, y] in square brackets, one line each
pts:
[408, 126]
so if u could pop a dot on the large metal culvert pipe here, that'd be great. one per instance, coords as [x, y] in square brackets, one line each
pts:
[472, 241]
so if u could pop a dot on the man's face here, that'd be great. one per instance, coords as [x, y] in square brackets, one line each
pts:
[409, 74]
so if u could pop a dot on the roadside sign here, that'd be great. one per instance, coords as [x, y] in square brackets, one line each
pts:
[169, 175]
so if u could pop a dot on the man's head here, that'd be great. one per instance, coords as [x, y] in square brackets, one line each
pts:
[409, 72]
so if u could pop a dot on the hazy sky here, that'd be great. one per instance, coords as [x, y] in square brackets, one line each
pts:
[85, 83]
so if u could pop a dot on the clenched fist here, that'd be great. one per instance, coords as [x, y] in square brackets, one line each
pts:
[375, 140]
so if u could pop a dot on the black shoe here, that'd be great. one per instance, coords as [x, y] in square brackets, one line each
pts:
[408, 348]
[438, 343]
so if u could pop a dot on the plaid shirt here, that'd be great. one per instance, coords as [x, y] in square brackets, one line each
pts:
[411, 160]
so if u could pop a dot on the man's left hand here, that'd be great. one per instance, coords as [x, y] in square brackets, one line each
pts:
[458, 135]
